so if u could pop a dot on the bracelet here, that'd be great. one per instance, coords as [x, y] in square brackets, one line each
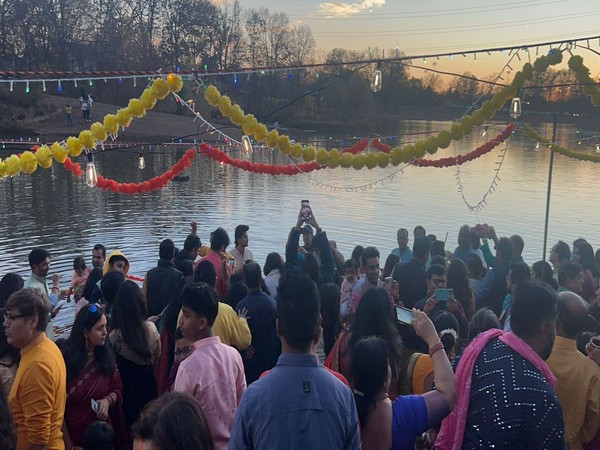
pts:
[435, 348]
[55, 287]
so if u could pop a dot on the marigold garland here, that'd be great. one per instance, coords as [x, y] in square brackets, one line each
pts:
[153, 184]
[28, 161]
[396, 155]
[249, 166]
[562, 150]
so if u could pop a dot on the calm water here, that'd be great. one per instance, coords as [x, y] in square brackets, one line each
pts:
[53, 209]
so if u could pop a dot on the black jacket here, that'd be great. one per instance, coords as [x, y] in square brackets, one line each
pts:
[160, 285]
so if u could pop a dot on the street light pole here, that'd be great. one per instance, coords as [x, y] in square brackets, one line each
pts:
[549, 186]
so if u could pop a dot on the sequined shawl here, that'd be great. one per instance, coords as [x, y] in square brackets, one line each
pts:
[452, 433]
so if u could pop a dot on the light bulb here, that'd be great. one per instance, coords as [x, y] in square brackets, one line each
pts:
[59, 86]
[44, 85]
[484, 132]
[75, 83]
[597, 148]
[91, 177]
[376, 82]
[515, 107]
[141, 162]
[27, 87]
[246, 144]
[537, 146]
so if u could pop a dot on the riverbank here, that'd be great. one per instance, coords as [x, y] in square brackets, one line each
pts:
[46, 120]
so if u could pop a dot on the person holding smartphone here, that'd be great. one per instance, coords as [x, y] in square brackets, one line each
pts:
[439, 298]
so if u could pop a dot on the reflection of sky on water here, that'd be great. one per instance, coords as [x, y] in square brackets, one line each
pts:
[53, 209]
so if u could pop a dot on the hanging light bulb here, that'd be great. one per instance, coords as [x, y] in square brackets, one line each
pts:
[44, 85]
[91, 177]
[515, 107]
[11, 86]
[484, 132]
[75, 83]
[376, 81]
[597, 148]
[475, 57]
[246, 144]
[59, 86]
[134, 81]
[537, 146]
[141, 162]
[27, 87]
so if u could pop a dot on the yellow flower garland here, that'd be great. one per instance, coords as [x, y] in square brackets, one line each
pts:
[397, 155]
[562, 150]
[28, 162]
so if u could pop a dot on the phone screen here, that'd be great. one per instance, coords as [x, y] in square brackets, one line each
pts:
[404, 315]
[443, 295]
[95, 406]
[305, 211]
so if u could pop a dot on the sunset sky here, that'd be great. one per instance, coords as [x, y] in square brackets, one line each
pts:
[438, 26]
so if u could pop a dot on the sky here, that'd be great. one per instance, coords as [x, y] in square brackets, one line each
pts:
[439, 26]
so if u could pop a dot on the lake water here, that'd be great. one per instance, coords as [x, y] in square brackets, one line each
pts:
[55, 210]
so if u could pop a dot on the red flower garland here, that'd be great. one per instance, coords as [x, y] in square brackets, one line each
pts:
[154, 183]
[461, 159]
[357, 148]
[72, 167]
[270, 169]
[134, 278]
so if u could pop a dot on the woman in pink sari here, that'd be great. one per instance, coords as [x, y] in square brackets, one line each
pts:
[94, 388]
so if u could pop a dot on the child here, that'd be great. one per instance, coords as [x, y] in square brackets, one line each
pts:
[184, 347]
[80, 276]
[98, 436]
[350, 278]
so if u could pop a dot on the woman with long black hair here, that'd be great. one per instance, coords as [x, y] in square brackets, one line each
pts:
[136, 343]
[92, 379]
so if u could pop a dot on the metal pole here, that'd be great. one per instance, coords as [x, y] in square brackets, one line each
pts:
[549, 186]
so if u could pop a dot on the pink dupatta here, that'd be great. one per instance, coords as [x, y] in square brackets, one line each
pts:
[452, 433]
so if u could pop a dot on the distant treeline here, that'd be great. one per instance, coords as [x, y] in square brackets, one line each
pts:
[198, 34]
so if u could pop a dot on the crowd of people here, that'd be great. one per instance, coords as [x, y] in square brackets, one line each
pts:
[437, 349]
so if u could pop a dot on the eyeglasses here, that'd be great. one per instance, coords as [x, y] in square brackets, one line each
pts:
[184, 351]
[10, 318]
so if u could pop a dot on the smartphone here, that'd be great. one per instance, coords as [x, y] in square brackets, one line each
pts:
[95, 406]
[231, 263]
[443, 295]
[305, 211]
[404, 315]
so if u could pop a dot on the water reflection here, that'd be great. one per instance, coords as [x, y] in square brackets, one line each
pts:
[53, 209]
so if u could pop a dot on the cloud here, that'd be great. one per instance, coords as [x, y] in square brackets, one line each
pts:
[349, 9]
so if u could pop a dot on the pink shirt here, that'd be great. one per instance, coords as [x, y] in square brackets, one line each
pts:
[214, 375]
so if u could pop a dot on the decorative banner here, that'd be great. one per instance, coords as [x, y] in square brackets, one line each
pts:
[153, 184]
[562, 150]
[28, 161]
[250, 126]
[461, 159]
[249, 166]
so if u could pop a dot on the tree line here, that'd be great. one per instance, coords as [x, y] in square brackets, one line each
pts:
[84, 35]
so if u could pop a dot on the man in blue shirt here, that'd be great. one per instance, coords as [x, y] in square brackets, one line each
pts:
[299, 404]
[403, 251]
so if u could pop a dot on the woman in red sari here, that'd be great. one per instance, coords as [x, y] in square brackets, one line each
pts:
[94, 388]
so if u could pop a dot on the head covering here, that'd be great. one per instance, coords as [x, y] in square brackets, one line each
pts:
[307, 229]
[114, 253]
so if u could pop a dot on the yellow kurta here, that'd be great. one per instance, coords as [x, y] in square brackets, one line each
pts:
[578, 391]
[39, 394]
